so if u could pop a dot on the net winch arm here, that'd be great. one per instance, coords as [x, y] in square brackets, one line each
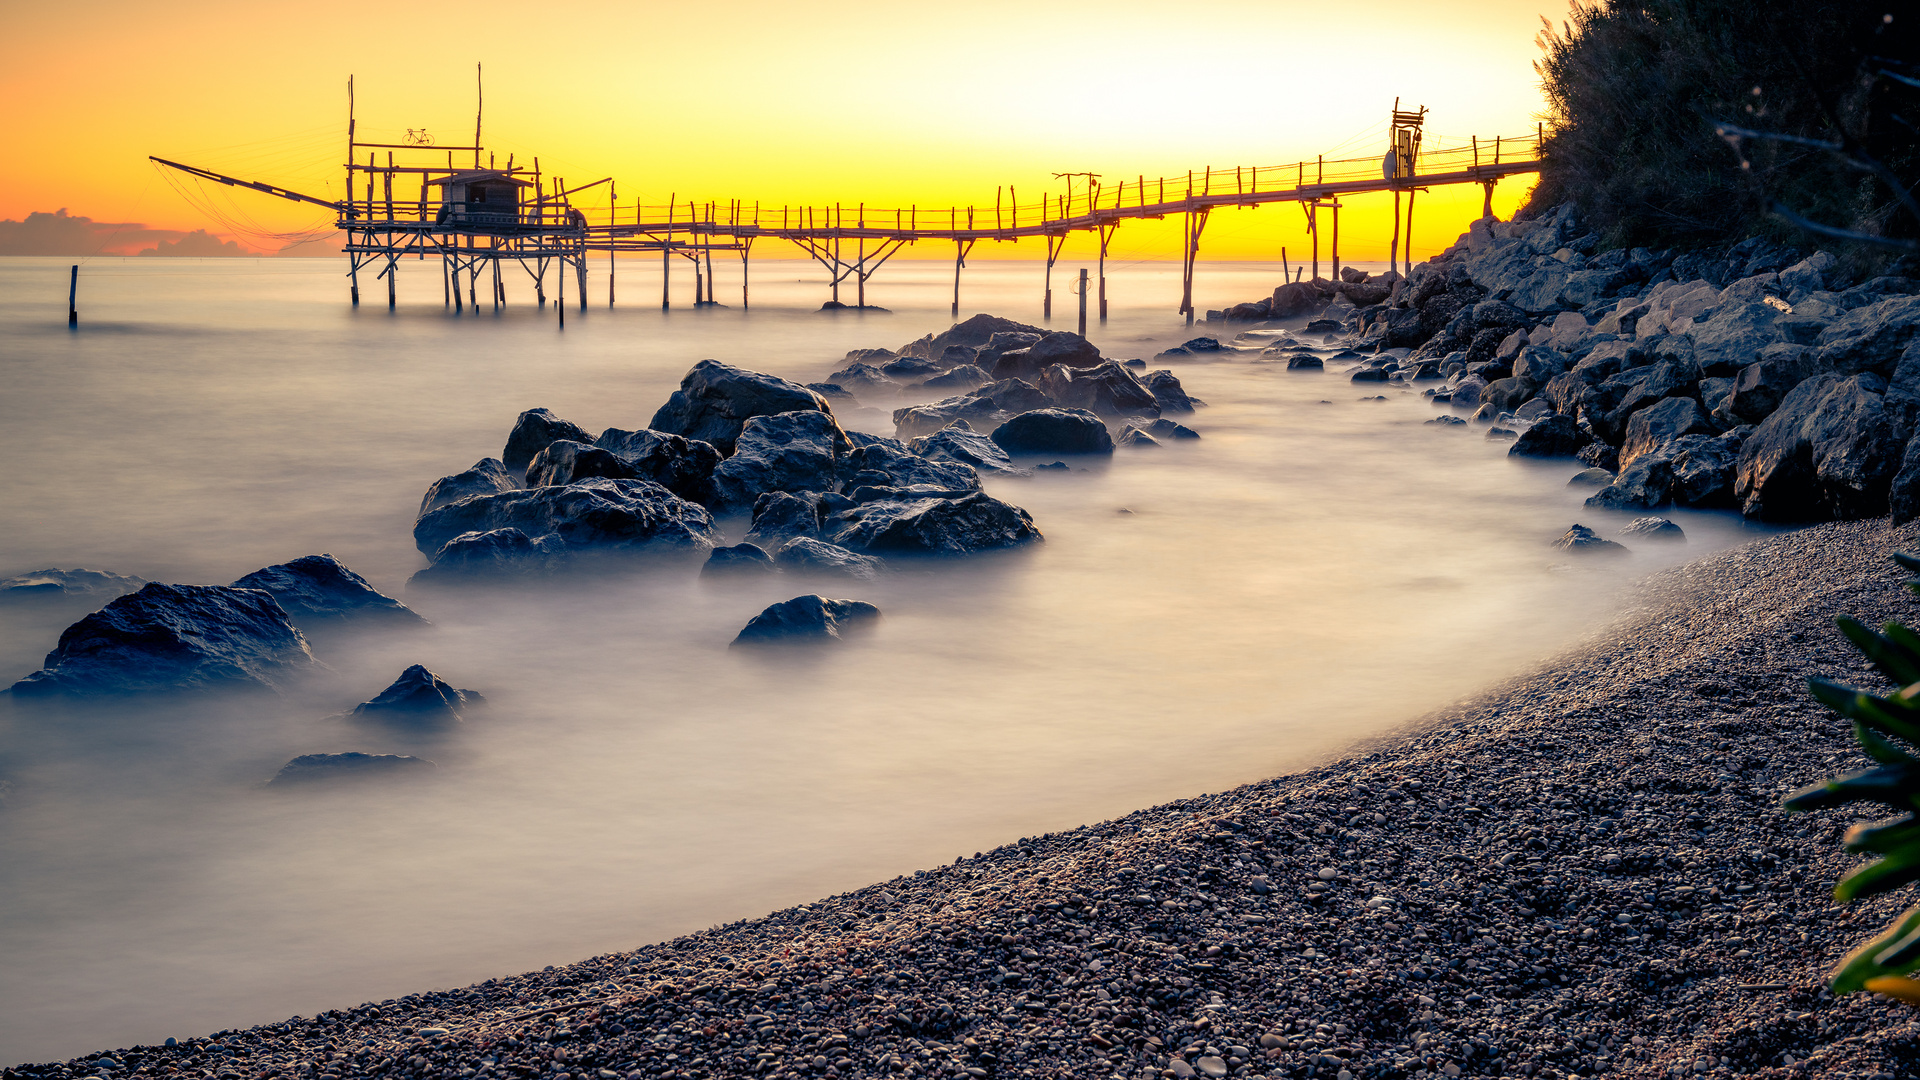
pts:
[284, 193]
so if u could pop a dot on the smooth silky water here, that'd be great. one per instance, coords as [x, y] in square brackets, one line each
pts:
[1315, 571]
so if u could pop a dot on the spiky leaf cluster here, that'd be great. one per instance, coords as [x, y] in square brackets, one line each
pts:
[1888, 728]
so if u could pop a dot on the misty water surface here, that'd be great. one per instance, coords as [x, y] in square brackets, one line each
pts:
[1314, 571]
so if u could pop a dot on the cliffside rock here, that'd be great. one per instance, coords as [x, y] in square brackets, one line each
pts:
[740, 560]
[38, 585]
[1106, 389]
[683, 466]
[532, 432]
[715, 401]
[1054, 431]
[1661, 423]
[805, 555]
[794, 451]
[487, 477]
[1584, 541]
[319, 588]
[805, 619]
[932, 526]
[964, 446]
[612, 515]
[175, 637]
[339, 768]
[418, 697]
[564, 462]
[1551, 436]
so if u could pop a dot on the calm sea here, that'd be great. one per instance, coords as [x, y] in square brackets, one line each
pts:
[1316, 570]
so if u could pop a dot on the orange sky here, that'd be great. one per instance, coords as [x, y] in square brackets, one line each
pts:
[890, 104]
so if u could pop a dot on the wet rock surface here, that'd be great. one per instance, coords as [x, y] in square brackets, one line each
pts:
[1581, 872]
[42, 585]
[681, 465]
[600, 515]
[175, 638]
[1054, 431]
[319, 589]
[906, 523]
[807, 620]
[342, 768]
[715, 401]
[488, 476]
[743, 560]
[532, 433]
[418, 696]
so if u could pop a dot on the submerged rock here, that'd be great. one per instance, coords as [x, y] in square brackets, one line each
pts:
[1587, 542]
[681, 465]
[1551, 436]
[495, 552]
[1654, 528]
[314, 588]
[989, 405]
[1133, 437]
[1163, 428]
[311, 768]
[418, 696]
[743, 560]
[803, 619]
[608, 515]
[533, 432]
[715, 401]
[1167, 391]
[809, 556]
[487, 477]
[53, 584]
[564, 462]
[175, 637]
[1054, 431]
[933, 526]
[1059, 347]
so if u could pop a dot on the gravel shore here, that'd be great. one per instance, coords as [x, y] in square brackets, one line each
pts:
[1584, 871]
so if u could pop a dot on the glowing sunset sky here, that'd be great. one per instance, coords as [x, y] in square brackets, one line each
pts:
[891, 104]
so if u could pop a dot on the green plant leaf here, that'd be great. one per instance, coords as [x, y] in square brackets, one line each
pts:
[1874, 712]
[1902, 637]
[1878, 748]
[1877, 877]
[1911, 562]
[1893, 659]
[1894, 785]
[1864, 963]
[1885, 837]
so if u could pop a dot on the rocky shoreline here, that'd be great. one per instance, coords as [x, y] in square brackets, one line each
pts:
[1584, 871]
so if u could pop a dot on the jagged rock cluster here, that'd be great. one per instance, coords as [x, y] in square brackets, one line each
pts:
[1751, 378]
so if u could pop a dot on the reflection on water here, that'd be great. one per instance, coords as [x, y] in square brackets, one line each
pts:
[1313, 571]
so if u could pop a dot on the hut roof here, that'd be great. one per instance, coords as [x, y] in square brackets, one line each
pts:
[480, 176]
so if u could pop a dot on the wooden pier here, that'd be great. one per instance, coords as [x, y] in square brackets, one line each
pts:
[414, 200]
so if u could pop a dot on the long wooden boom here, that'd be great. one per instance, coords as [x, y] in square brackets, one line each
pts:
[208, 174]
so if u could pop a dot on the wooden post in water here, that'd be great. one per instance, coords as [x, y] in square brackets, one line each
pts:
[1408, 260]
[393, 271]
[666, 258]
[561, 304]
[73, 294]
[1285, 274]
[1335, 249]
[613, 212]
[1083, 302]
[1393, 246]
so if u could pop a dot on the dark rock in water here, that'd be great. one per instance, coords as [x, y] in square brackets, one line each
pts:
[805, 555]
[1655, 528]
[487, 477]
[1587, 542]
[1451, 420]
[1551, 436]
[1137, 365]
[741, 560]
[1870, 338]
[1054, 431]
[715, 401]
[1353, 275]
[915, 367]
[1305, 362]
[1591, 478]
[891, 466]
[1509, 394]
[1326, 326]
[834, 393]
[1251, 312]
[532, 433]
[1168, 393]
[959, 377]
[978, 331]
[1371, 374]
[932, 526]
[807, 619]
[614, 515]
[564, 462]
[1600, 456]
[320, 587]
[987, 406]
[175, 637]
[863, 438]
[1164, 428]
[1661, 423]
[681, 465]
[862, 377]
[1060, 465]
[312, 768]
[1134, 437]
[1692, 470]
[418, 696]
[779, 516]
[1760, 386]
[495, 552]
[870, 356]
[57, 584]
[795, 451]
[1497, 433]
[1059, 347]
[1294, 298]
[987, 357]
[964, 446]
[1106, 389]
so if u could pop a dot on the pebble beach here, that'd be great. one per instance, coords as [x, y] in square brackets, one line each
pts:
[1584, 871]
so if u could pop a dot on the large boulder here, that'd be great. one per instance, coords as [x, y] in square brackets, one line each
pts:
[1168, 393]
[319, 588]
[1551, 436]
[1058, 347]
[1734, 335]
[740, 560]
[1295, 299]
[985, 407]
[974, 332]
[805, 555]
[1106, 389]
[51, 584]
[175, 637]
[1002, 343]
[682, 465]
[962, 445]
[1870, 338]
[958, 377]
[932, 526]
[1692, 470]
[1509, 394]
[487, 477]
[807, 619]
[418, 697]
[564, 462]
[494, 553]
[340, 768]
[716, 400]
[1584, 541]
[779, 516]
[880, 465]
[1903, 497]
[1760, 386]
[1540, 363]
[610, 515]
[795, 451]
[532, 433]
[1830, 450]
[1054, 431]
[1661, 423]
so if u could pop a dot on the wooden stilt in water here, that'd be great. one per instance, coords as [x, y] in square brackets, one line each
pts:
[560, 305]
[580, 267]
[1083, 302]
[446, 290]
[1486, 205]
[453, 276]
[1285, 273]
[959, 260]
[392, 273]
[1335, 249]
[1393, 246]
[73, 296]
[1407, 259]
[613, 211]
